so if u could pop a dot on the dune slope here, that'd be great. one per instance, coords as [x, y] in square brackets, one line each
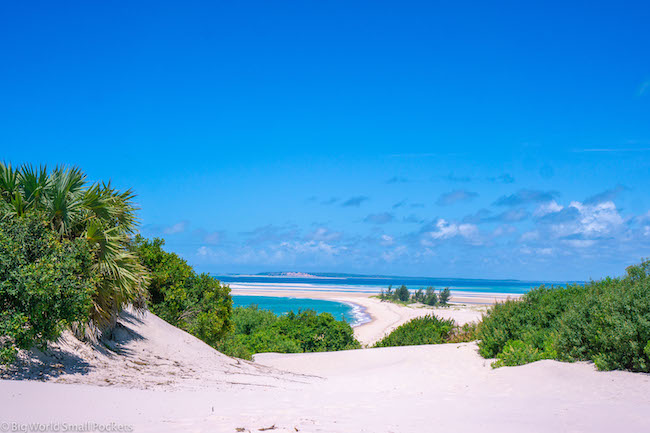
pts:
[164, 380]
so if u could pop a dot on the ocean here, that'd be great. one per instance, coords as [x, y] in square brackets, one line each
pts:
[364, 284]
[352, 314]
[356, 284]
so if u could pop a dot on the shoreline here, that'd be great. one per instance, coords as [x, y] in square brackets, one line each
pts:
[158, 378]
[383, 316]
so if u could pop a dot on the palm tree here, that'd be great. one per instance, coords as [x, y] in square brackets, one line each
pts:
[98, 213]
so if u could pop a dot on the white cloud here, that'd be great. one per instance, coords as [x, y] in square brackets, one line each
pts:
[176, 228]
[213, 238]
[547, 208]
[390, 256]
[311, 247]
[504, 230]
[598, 219]
[446, 230]
[593, 220]
[324, 234]
[536, 251]
[530, 236]
[387, 240]
[580, 243]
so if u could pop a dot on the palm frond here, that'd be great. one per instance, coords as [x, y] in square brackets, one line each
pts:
[9, 185]
[104, 216]
[34, 183]
[64, 199]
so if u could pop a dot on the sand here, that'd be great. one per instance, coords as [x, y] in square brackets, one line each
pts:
[385, 316]
[157, 378]
[146, 353]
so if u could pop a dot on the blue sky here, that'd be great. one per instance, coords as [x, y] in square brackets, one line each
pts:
[450, 139]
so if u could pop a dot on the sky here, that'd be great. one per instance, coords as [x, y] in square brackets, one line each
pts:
[437, 138]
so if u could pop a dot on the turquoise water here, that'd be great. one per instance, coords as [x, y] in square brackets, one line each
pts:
[374, 284]
[350, 313]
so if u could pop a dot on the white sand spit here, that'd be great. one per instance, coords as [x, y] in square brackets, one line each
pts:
[385, 316]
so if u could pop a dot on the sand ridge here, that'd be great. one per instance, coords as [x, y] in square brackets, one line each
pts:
[153, 377]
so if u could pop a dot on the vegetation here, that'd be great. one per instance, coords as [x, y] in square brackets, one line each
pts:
[69, 257]
[607, 322]
[46, 283]
[257, 331]
[198, 304]
[429, 296]
[421, 330]
[78, 212]
[429, 330]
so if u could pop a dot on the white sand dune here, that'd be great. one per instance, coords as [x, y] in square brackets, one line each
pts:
[164, 380]
[148, 353]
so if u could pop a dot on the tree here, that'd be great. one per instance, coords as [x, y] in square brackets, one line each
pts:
[444, 296]
[74, 209]
[430, 297]
[199, 304]
[46, 284]
[418, 296]
[402, 293]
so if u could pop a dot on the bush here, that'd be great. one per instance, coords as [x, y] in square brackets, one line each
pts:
[421, 330]
[259, 331]
[444, 296]
[98, 215]
[517, 352]
[198, 304]
[402, 294]
[317, 332]
[607, 322]
[45, 284]
[464, 334]
[430, 297]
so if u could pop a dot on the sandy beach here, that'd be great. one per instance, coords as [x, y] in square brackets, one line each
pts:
[385, 316]
[158, 379]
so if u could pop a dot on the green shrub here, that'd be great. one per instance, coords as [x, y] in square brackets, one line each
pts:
[97, 214]
[245, 346]
[517, 352]
[259, 331]
[317, 332]
[248, 320]
[402, 293]
[421, 330]
[198, 304]
[464, 334]
[444, 296]
[430, 297]
[607, 322]
[46, 284]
